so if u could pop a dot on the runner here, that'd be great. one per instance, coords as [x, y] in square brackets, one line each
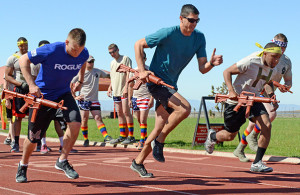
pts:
[253, 74]
[61, 61]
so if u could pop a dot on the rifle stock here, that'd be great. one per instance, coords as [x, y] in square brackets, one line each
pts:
[153, 79]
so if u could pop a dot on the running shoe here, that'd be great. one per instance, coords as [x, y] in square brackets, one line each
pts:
[157, 150]
[107, 139]
[73, 150]
[140, 146]
[44, 149]
[86, 143]
[15, 147]
[67, 168]
[260, 167]
[128, 140]
[21, 174]
[140, 169]
[7, 141]
[209, 143]
[117, 141]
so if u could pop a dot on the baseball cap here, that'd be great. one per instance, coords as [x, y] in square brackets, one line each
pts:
[91, 58]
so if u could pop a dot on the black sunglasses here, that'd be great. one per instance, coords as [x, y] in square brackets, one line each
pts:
[112, 51]
[92, 61]
[192, 20]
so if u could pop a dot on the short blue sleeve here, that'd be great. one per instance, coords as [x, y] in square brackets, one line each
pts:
[40, 54]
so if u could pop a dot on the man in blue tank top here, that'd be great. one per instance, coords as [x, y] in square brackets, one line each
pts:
[175, 48]
[60, 62]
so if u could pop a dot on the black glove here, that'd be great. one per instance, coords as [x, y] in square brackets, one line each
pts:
[24, 86]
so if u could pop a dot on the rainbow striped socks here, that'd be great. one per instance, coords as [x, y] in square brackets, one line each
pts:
[130, 129]
[243, 140]
[143, 132]
[85, 133]
[122, 128]
[102, 129]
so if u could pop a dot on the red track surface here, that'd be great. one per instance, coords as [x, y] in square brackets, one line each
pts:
[105, 170]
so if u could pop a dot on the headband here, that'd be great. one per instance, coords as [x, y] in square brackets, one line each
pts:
[279, 43]
[21, 42]
[271, 50]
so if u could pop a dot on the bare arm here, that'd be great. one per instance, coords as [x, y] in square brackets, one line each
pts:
[9, 76]
[77, 86]
[205, 66]
[26, 71]
[232, 70]
[138, 49]
[288, 78]
[130, 93]
[109, 90]
[269, 88]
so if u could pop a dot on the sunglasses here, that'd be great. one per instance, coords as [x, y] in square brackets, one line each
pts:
[92, 61]
[112, 51]
[192, 20]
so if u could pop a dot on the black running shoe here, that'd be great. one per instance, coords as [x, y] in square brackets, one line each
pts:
[67, 168]
[140, 169]
[86, 143]
[157, 150]
[15, 147]
[21, 174]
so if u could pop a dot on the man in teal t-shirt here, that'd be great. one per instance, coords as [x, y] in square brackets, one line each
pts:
[175, 48]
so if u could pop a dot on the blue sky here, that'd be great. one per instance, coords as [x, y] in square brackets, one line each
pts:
[231, 26]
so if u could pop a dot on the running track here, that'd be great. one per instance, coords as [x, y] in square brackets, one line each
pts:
[105, 170]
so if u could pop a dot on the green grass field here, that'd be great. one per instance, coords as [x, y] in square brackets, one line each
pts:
[284, 142]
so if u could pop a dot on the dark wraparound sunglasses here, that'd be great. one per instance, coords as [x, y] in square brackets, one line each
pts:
[192, 20]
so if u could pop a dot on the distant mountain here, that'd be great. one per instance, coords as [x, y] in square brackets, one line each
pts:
[108, 105]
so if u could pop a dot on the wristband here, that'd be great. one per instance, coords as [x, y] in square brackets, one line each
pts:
[211, 64]
[80, 82]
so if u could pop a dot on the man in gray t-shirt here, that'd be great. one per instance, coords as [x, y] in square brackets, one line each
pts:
[14, 76]
[253, 74]
[282, 70]
[88, 99]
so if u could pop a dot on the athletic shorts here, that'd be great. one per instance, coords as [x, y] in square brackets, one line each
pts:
[59, 117]
[234, 120]
[9, 111]
[45, 115]
[18, 103]
[89, 105]
[161, 94]
[118, 98]
[140, 103]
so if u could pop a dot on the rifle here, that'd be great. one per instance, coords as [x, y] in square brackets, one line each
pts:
[246, 99]
[32, 102]
[279, 86]
[153, 79]
[282, 87]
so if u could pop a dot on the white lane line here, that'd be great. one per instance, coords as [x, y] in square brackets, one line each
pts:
[205, 176]
[186, 158]
[12, 190]
[104, 180]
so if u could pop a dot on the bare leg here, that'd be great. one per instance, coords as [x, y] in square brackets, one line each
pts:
[126, 111]
[121, 116]
[182, 109]
[69, 139]
[160, 120]
[97, 116]
[28, 148]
